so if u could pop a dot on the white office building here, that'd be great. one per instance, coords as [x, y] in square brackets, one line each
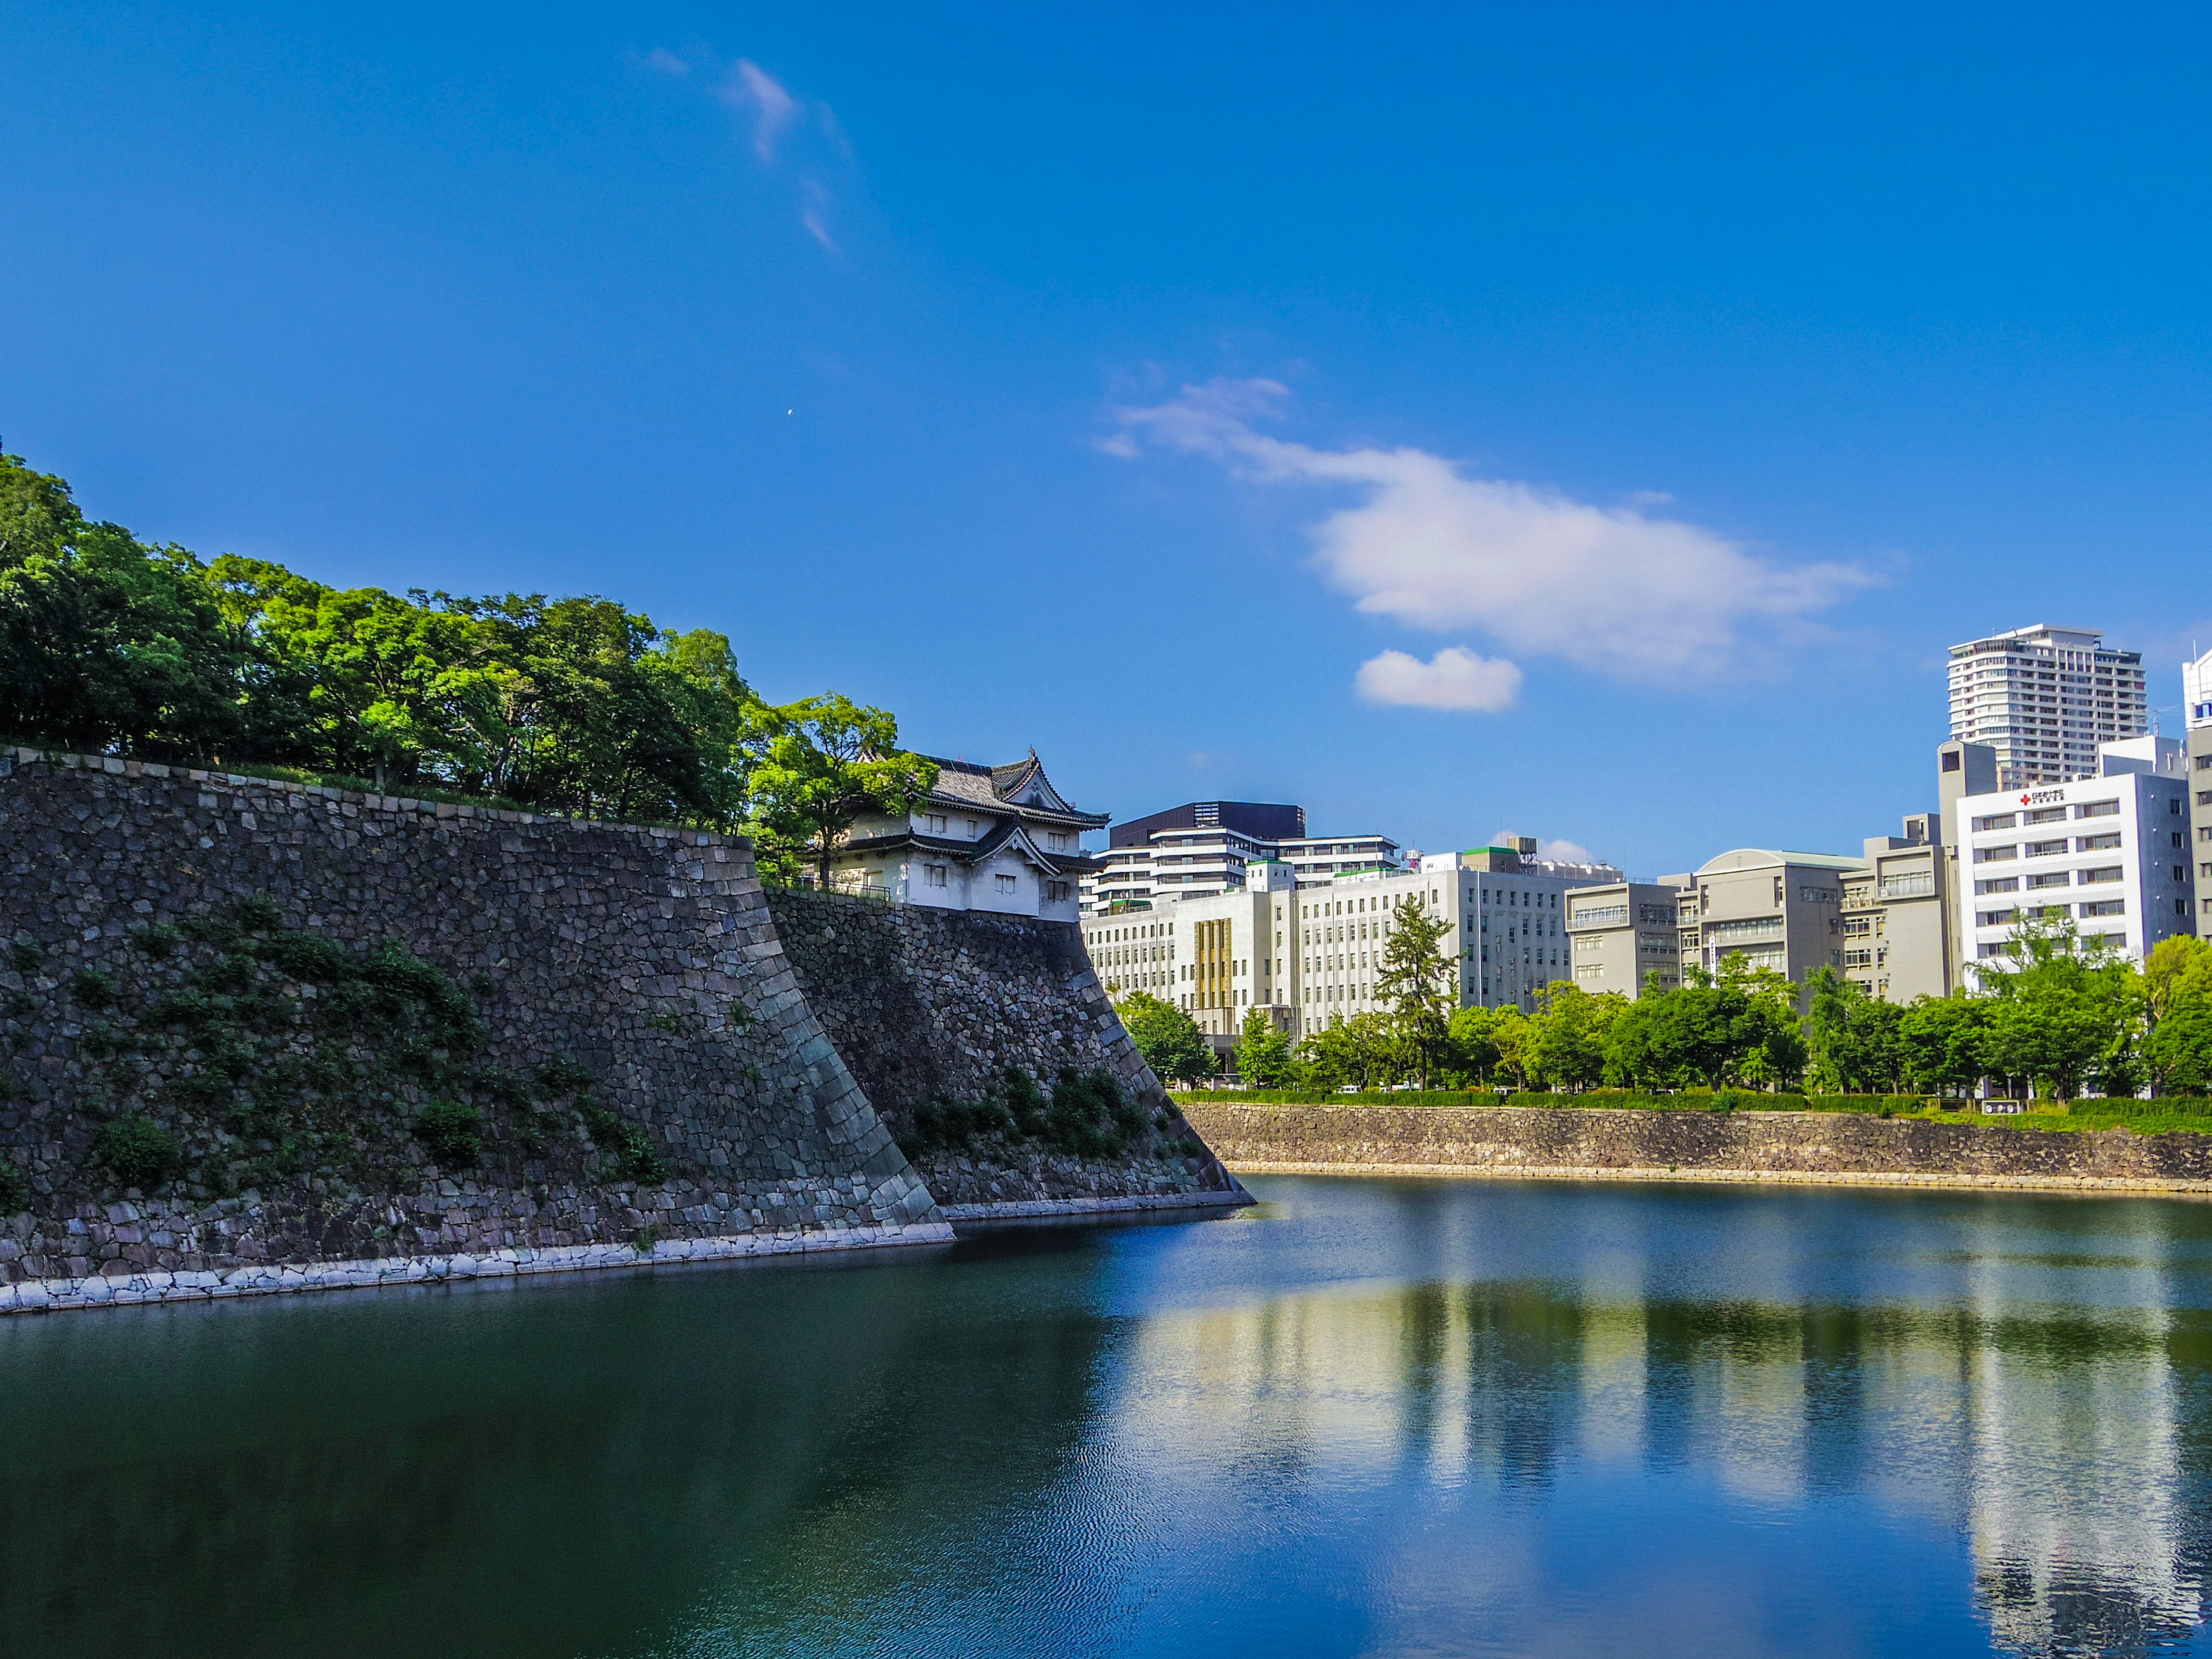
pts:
[2043, 698]
[2111, 853]
[1202, 849]
[2196, 704]
[1311, 954]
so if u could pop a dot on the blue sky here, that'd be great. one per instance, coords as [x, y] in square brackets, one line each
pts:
[1201, 395]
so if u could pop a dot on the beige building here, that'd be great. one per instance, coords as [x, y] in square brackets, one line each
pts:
[1622, 933]
[1778, 910]
[1898, 937]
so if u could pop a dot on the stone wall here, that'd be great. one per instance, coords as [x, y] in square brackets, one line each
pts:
[1784, 1146]
[645, 1072]
[929, 1007]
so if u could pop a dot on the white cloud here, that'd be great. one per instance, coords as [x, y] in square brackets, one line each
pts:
[667, 62]
[1454, 678]
[748, 86]
[1613, 589]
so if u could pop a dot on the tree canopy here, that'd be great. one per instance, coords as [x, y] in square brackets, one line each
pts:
[579, 705]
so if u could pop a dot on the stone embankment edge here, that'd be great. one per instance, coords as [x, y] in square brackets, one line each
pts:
[2087, 1184]
[1077, 1209]
[32, 1296]
[1744, 1149]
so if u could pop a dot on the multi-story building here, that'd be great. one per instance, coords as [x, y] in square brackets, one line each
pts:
[995, 838]
[1201, 850]
[2196, 704]
[2043, 698]
[1896, 915]
[1622, 935]
[1783, 911]
[2111, 853]
[1311, 954]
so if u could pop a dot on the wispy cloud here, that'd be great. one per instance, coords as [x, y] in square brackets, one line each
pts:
[1614, 589]
[1454, 678]
[747, 86]
[775, 114]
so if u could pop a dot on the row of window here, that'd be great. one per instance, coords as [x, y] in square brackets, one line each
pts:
[2088, 809]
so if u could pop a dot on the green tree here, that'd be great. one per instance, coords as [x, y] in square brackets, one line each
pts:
[1567, 1035]
[1265, 1059]
[1359, 1052]
[1512, 1034]
[1470, 1053]
[1851, 1040]
[106, 644]
[1416, 980]
[2176, 1000]
[2060, 1012]
[826, 761]
[1169, 1039]
[1942, 1043]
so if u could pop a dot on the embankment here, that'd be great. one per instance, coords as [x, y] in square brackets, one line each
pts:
[1810, 1147]
[934, 1006]
[264, 1036]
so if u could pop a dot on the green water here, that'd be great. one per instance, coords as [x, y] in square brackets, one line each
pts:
[1372, 1416]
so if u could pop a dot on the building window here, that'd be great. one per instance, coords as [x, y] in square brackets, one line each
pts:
[1056, 889]
[935, 821]
[933, 875]
[2103, 873]
[2097, 809]
[2056, 878]
[1057, 840]
[2105, 908]
[2096, 843]
[1997, 821]
[1998, 884]
[1004, 884]
[1994, 854]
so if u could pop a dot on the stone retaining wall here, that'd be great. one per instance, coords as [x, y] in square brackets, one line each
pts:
[930, 1006]
[645, 961]
[1822, 1147]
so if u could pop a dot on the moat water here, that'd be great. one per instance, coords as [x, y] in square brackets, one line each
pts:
[1369, 1417]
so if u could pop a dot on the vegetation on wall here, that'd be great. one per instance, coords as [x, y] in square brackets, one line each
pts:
[232, 1051]
[111, 645]
[1086, 1114]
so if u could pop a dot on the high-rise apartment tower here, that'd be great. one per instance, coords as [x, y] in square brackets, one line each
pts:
[2043, 698]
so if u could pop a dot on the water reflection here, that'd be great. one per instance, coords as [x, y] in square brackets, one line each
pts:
[1378, 1417]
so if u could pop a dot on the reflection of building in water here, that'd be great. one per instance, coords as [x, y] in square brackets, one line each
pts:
[2076, 1510]
[2053, 1443]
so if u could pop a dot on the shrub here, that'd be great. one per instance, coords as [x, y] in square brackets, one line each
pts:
[451, 1132]
[955, 1125]
[138, 1152]
[95, 987]
[25, 954]
[626, 1144]
[14, 1187]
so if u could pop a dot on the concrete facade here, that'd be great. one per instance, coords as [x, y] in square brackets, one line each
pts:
[1621, 934]
[2110, 854]
[1776, 910]
[1896, 915]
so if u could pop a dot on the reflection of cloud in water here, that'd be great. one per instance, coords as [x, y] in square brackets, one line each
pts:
[2052, 1441]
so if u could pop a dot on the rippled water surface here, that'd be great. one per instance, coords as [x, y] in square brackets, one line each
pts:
[1370, 1416]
